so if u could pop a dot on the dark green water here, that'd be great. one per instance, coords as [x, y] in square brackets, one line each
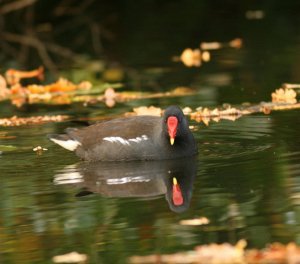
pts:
[245, 179]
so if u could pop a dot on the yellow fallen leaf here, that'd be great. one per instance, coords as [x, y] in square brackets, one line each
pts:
[151, 110]
[72, 257]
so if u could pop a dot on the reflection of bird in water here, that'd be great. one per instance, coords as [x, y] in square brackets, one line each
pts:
[145, 179]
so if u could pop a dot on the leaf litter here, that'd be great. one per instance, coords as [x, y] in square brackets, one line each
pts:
[65, 92]
[282, 99]
[275, 253]
[19, 121]
[196, 57]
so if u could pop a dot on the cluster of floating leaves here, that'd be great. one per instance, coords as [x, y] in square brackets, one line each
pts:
[72, 257]
[282, 99]
[284, 95]
[19, 121]
[195, 57]
[225, 253]
[64, 91]
[59, 92]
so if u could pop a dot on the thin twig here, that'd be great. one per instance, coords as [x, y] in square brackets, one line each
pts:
[72, 7]
[29, 20]
[33, 42]
[60, 50]
[16, 5]
[96, 38]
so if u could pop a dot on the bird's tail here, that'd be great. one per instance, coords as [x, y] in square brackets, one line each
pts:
[64, 141]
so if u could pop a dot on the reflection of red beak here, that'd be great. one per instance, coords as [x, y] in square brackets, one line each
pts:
[177, 195]
[172, 128]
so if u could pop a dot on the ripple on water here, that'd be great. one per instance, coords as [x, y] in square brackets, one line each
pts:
[233, 140]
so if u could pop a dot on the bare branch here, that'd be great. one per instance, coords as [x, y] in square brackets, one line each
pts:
[33, 42]
[16, 5]
[60, 50]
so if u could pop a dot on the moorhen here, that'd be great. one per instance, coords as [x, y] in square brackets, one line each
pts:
[132, 138]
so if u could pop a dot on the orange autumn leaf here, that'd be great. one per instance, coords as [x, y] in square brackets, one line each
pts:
[284, 96]
[151, 110]
[61, 85]
[191, 57]
[15, 76]
[19, 121]
[4, 92]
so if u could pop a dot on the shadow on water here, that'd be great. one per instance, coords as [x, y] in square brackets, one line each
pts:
[140, 179]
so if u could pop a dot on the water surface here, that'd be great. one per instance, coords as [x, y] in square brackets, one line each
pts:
[245, 180]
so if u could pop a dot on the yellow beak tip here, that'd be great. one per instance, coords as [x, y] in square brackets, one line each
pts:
[174, 181]
[172, 141]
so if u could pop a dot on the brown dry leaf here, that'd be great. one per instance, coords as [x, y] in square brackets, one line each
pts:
[205, 254]
[61, 85]
[211, 45]
[39, 150]
[291, 85]
[191, 57]
[275, 253]
[195, 221]
[4, 92]
[49, 98]
[110, 96]
[284, 96]
[187, 110]
[19, 121]
[205, 56]
[151, 110]
[15, 76]
[235, 43]
[206, 115]
[18, 89]
[222, 253]
[59, 92]
[72, 257]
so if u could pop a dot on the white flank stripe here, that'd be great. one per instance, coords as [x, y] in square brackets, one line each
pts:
[68, 178]
[67, 144]
[117, 140]
[127, 180]
[125, 141]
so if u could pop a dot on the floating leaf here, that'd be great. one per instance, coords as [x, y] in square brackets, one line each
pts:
[275, 253]
[195, 221]
[205, 254]
[15, 76]
[73, 257]
[191, 57]
[39, 150]
[235, 43]
[4, 92]
[285, 95]
[151, 110]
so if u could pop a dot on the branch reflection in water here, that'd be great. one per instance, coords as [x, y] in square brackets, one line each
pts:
[143, 179]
